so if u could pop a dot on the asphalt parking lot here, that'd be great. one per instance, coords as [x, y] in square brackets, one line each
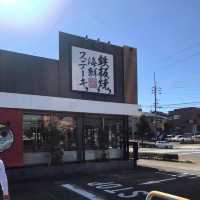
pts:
[131, 184]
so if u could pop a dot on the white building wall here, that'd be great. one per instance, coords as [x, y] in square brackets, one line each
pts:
[36, 102]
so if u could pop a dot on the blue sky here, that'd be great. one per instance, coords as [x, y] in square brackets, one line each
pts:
[166, 34]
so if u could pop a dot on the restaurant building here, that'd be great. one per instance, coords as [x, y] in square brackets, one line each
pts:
[89, 92]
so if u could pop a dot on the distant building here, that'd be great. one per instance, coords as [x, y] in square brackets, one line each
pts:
[185, 120]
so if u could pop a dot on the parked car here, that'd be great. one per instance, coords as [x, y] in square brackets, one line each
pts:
[169, 138]
[196, 138]
[176, 138]
[163, 145]
[185, 139]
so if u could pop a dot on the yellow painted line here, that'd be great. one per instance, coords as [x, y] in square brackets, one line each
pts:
[163, 196]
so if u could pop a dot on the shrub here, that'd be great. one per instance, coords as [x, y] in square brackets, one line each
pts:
[158, 156]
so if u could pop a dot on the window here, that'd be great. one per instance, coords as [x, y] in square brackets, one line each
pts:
[176, 116]
[100, 133]
[67, 125]
[33, 137]
[92, 133]
[36, 136]
[113, 133]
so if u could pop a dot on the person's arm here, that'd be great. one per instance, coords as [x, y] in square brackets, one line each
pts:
[4, 181]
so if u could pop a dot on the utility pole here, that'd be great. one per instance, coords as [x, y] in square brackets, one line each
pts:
[155, 93]
[155, 90]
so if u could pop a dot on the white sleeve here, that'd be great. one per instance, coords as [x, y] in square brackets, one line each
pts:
[3, 178]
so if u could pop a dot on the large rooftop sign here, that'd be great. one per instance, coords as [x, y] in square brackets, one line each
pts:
[92, 71]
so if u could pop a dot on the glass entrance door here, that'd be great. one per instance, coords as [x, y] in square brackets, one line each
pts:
[114, 138]
[92, 138]
[103, 138]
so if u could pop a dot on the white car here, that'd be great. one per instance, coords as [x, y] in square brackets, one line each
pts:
[196, 138]
[164, 145]
[185, 139]
[169, 138]
[176, 138]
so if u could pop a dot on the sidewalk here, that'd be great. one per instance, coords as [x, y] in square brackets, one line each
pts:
[192, 168]
[188, 146]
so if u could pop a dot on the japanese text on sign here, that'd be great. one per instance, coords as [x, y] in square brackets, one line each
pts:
[92, 71]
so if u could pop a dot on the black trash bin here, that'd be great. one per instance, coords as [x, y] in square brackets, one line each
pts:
[135, 154]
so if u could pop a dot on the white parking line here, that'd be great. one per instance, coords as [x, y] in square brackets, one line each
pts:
[193, 177]
[157, 181]
[163, 173]
[180, 175]
[82, 192]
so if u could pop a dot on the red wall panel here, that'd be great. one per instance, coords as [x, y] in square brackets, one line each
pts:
[13, 157]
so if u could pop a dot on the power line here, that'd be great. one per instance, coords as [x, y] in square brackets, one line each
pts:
[174, 104]
[182, 50]
[155, 84]
[184, 103]
[181, 60]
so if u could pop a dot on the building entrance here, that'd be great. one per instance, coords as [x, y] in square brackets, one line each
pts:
[103, 138]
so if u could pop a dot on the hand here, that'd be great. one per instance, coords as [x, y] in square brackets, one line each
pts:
[6, 197]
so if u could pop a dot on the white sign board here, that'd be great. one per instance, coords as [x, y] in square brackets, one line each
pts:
[92, 71]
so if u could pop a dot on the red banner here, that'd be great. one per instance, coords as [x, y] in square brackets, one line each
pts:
[11, 137]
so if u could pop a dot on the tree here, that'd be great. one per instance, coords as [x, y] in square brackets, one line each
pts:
[167, 127]
[54, 139]
[143, 127]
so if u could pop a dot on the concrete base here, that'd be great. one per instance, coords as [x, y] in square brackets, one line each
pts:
[93, 155]
[43, 157]
[59, 172]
